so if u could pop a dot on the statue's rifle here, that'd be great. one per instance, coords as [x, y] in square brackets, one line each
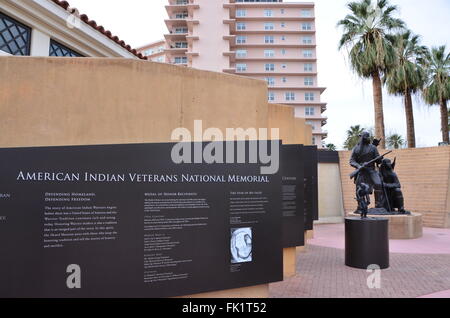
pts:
[355, 173]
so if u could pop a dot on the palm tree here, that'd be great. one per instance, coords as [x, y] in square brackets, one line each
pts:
[407, 77]
[353, 137]
[395, 141]
[437, 87]
[371, 54]
[331, 147]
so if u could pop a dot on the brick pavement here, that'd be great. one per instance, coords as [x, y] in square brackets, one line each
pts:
[321, 273]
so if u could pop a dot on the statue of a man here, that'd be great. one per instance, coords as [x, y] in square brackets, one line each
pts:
[362, 154]
[392, 186]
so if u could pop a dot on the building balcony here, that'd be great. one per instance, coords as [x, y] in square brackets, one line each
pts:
[275, 59]
[231, 55]
[173, 23]
[298, 88]
[306, 103]
[174, 50]
[279, 31]
[230, 38]
[324, 134]
[180, 2]
[269, 73]
[191, 38]
[175, 36]
[175, 8]
[274, 45]
[192, 54]
[275, 5]
[274, 19]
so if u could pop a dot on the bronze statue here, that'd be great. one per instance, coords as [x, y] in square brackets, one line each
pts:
[363, 198]
[383, 182]
[364, 157]
[392, 187]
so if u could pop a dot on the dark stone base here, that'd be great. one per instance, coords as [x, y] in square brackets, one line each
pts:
[366, 242]
[383, 211]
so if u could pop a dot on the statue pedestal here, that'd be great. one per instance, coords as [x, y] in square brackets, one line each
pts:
[404, 227]
[366, 242]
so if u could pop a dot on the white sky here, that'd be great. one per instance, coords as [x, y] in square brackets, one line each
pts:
[349, 99]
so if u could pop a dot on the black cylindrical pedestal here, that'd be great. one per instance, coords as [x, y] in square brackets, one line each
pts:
[366, 242]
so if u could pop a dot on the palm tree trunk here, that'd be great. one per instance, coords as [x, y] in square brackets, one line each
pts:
[444, 121]
[409, 111]
[378, 105]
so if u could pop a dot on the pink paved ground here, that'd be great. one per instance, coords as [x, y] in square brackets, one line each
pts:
[418, 268]
[434, 241]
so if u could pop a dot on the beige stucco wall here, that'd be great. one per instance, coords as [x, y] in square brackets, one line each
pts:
[86, 101]
[53, 101]
[331, 206]
[424, 175]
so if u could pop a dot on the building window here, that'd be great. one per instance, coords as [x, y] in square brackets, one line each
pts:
[283, 25]
[241, 13]
[309, 97]
[241, 67]
[268, 13]
[269, 39]
[241, 26]
[15, 37]
[181, 45]
[148, 52]
[306, 13]
[181, 15]
[306, 26]
[270, 81]
[283, 38]
[269, 26]
[282, 11]
[284, 66]
[269, 53]
[271, 96]
[309, 111]
[182, 2]
[308, 67]
[307, 40]
[307, 53]
[57, 49]
[309, 81]
[269, 67]
[313, 140]
[180, 60]
[284, 79]
[241, 53]
[181, 30]
[283, 51]
[289, 96]
[240, 39]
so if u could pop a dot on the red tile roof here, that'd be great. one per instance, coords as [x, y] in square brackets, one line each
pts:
[83, 17]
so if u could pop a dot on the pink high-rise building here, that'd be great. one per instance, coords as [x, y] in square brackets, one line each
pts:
[273, 41]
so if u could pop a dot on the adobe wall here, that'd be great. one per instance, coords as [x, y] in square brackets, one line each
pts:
[88, 101]
[424, 174]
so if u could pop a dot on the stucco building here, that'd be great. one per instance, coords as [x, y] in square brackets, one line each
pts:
[53, 28]
[154, 51]
[273, 41]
